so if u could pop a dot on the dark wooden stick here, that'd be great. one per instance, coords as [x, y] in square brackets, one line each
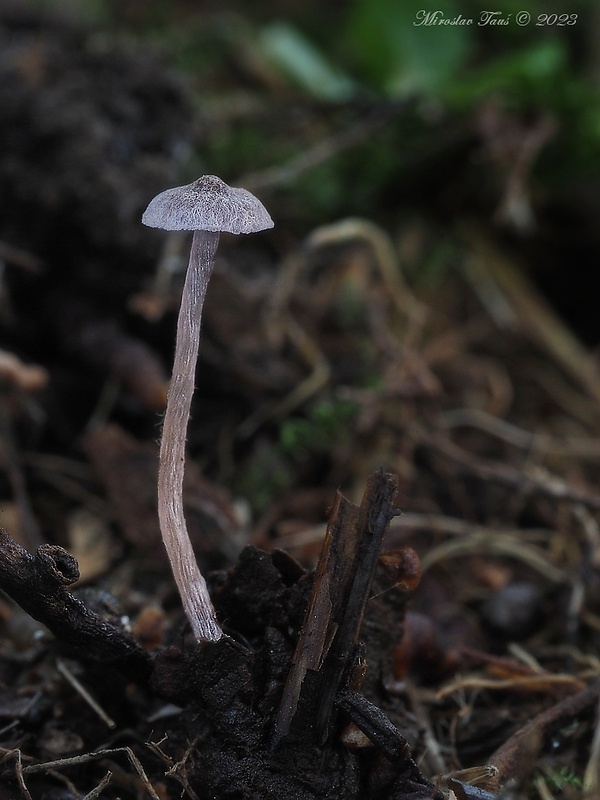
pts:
[326, 647]
[38, 584]
[374, 723]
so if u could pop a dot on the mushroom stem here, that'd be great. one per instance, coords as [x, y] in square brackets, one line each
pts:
[192, 586]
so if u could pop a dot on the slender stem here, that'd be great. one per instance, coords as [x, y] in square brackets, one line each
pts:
[192, 586]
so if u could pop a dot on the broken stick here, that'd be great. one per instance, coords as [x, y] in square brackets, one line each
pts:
[326, 649]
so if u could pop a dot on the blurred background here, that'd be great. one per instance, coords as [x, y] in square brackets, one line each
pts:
[427, 301]
[433, 176]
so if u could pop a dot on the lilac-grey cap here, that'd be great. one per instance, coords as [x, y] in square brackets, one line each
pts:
[207, 204]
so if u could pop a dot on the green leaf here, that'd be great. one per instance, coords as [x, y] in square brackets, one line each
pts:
[525, 72]
[400, 56]
[303, 63]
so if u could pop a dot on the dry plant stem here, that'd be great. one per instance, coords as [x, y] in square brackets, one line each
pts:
[192, 586]
[515, 757]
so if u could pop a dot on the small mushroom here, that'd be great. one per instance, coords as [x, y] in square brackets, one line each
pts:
[207, 207]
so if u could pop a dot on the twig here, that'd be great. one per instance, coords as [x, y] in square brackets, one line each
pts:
[307, 388]
[517, 754]
[373, 722]
[38, 583]
[99, 788]
[324, 150]
[534, 316]
[591, 778]
[176, 769]
[19, 770]
[528, 683]
[81, 690]
[509, 547]
[75, 761]
[533, 481]
[433, 756]
[542, 789]
[453, 526]
[576, 446]
[386, 260]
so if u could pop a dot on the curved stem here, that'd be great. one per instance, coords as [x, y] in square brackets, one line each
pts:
[192, 586]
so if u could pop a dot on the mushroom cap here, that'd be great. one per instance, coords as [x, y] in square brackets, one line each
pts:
[207, 204]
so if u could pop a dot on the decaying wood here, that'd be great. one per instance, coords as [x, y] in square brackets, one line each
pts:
[38, 583]
[227, 690]
[377, 727]
[329, 637]
[231, 686]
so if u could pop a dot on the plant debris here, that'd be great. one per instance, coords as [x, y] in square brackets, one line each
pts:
[244, 738]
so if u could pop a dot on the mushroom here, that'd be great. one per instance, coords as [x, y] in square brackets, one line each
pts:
[207, 207]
